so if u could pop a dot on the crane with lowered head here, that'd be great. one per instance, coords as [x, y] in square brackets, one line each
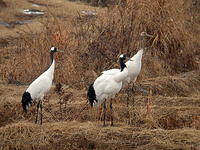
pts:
[107, 86]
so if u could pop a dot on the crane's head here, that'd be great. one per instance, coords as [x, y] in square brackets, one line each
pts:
[121, 61]
[144, 34]
[124, 57]
[54, 49]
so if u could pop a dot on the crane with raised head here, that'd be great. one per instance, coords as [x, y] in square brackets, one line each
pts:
[134, 67]
[40, 86]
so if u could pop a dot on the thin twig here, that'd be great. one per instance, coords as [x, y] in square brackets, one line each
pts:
[51, 114]
[60, 109]
[82, 109]
[56, 21]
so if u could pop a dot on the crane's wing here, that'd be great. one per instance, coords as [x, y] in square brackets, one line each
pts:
[105, 87]
[111, 72]
[39, 87]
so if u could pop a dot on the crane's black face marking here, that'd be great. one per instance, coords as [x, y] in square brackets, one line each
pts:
[26, 100]
[91, 95]
[53, 49]
[121, 61]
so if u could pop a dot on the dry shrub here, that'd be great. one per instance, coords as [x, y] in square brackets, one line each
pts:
[183, 85]
[119, 32]
[170, 51]
[70, 123]
[2, 4]
[42, 137]
[14, 112]
[73, 135]
[92, 44]
[172, 106]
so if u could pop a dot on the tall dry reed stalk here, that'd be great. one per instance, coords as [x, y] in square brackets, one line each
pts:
[92, 44]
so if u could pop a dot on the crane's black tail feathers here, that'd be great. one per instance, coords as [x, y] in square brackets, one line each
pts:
[26, 100]
[91, 94]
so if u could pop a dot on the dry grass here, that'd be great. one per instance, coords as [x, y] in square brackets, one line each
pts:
[82, 137]
[70, 123]
[91, 45]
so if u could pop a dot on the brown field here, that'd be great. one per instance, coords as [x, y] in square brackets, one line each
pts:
[92, 44]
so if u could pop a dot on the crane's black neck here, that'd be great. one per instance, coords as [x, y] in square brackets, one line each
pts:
[122, 64]
[51, 54]
[141, 42]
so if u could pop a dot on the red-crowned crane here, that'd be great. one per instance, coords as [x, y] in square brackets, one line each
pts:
[133, 66]
[40, 86]
[107, 86]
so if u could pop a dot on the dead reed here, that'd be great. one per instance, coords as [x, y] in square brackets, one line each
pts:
[172, 123]
[91, 45]
[94, 43]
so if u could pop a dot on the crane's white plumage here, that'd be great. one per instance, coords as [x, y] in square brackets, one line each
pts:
[107, 86]
[133, 66]
[134, 62]
[40, 86]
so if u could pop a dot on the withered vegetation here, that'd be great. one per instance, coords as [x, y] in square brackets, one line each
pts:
[167, 118]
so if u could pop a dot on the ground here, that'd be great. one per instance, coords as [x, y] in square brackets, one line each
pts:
[69, 122]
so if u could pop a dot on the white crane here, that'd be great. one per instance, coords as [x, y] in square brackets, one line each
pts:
[107, 86]
[133, 66]
[40, 86]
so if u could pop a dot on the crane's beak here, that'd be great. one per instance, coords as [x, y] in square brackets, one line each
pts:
[59, 50]
[149, 35]
[127, 58]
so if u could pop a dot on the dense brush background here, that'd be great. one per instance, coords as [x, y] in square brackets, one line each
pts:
[92, 44]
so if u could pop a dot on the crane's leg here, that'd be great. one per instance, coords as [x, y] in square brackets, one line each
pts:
[38, 105]
[104, 118]
[111, 112]
[128, 95]
[133, 94]
[41, 110]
